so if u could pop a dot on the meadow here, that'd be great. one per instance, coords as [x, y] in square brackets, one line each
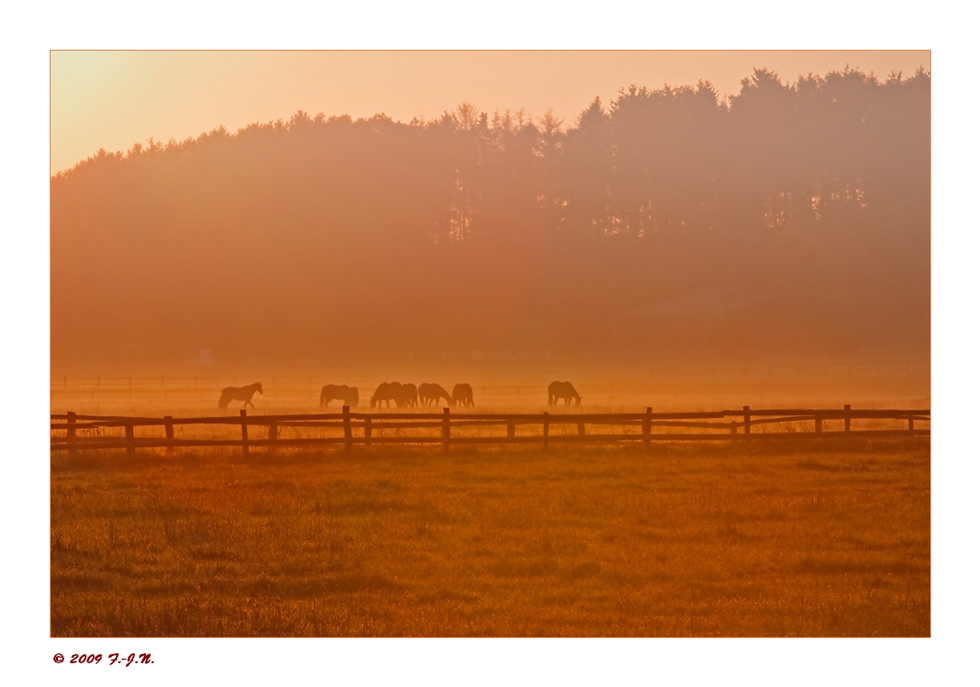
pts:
[802, 538]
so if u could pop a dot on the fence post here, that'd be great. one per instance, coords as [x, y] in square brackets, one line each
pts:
[646, 428]
[169, 431]
[911, 423]
[367, 431]
[748, 421]
[445, 429]
[71, 434]
[581, 429]
[130, 441]
[545, 431]
[818, 422]
[348, 434]
[847, 417]
[244, 432]
[510, 429]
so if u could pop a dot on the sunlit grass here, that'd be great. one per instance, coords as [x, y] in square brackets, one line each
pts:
[822, 539]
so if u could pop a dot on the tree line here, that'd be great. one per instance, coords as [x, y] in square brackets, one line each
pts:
[801, 208]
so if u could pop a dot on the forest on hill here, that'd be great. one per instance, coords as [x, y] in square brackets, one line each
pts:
[793, 216]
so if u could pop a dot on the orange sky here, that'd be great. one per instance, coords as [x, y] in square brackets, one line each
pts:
[113, 99]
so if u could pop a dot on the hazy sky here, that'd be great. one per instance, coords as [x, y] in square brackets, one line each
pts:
[113, 99]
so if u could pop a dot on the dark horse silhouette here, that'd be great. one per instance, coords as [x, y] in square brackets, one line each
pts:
[409, 395]
[387, 392]
[429, 393]
[346, 394]
[563, 390]
[463, 395]
[239, 393]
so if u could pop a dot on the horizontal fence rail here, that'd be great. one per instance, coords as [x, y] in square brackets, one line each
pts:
[365, 428]
[70, 380]
[300, 387]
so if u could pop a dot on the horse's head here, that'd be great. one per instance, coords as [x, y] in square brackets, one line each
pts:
[578, 400]
[353, 398]
[258, 387]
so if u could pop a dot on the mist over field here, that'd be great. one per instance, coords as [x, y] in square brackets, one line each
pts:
[790, 222]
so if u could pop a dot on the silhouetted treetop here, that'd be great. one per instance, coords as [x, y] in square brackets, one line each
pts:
[818, 185]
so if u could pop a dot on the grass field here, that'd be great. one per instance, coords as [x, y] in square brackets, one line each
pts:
[811, 538]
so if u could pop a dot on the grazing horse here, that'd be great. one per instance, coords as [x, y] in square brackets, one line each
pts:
[387, 392]
[346, 394]
[239, 393]
[563, 390]
[433, 392]
[463, 395]
[409, 395]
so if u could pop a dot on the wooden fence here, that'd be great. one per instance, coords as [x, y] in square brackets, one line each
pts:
[365, 428]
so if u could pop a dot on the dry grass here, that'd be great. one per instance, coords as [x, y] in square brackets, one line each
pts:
[812, 539]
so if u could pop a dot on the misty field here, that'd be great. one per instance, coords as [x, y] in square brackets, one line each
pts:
[813, 538]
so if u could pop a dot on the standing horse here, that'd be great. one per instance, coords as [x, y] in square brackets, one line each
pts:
[409, 395]
[563, 390]
[463, 395]
[239, 393]
[433, 392]
[346, 394]
[387, 392]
